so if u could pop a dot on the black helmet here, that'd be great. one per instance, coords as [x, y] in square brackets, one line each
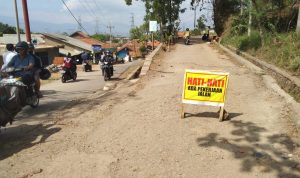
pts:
[21, 45]
[31, 46]
[45, 74]
[187, 29]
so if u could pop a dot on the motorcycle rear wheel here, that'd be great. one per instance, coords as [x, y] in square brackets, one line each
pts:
[105, 76]
[75, 76]
[35, 101]
[63, 79]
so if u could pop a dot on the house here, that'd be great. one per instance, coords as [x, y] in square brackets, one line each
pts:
[132, 47]
[46, 52]
[70, 45]
[155, 43]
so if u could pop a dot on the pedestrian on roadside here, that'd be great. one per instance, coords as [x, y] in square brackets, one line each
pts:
[7, 56]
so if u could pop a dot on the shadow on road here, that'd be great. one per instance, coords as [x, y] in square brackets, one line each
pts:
[212, 115]
[273, 156]
[16, 139]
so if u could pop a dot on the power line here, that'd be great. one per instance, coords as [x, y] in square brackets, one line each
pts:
[86, 8]
[90, 7]
[73, 16]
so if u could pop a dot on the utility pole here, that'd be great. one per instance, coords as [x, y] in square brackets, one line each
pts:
[17, 21]
[195, 14]
[26, 20]
[132, 20]
[110, 27]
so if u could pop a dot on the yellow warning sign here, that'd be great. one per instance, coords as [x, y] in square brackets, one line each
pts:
[205, 87]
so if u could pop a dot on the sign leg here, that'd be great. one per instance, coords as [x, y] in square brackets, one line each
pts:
[182, 111]
[221, 114]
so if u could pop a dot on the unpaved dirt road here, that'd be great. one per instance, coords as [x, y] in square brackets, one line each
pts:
[136, 130]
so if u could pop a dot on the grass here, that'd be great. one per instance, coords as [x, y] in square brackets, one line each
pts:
[281, 50]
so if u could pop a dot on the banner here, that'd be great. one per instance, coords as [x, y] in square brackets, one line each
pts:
[205, 87]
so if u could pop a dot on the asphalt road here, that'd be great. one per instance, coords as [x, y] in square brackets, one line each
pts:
[58, 94]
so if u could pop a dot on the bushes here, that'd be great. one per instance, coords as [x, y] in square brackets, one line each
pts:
[252, 42]
[281, 50]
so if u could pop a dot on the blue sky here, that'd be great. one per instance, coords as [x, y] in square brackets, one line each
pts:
[53, 17]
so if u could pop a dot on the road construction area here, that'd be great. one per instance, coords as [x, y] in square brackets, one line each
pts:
[136, 130]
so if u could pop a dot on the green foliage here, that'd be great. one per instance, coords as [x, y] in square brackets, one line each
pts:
[138, 33]
[166, 13]
[143, 49]
[252, 42]
[115, 41]
[281, 50]
[239, 25]
[101, 37]
[201, 22]
[222, 11]
[6, 29]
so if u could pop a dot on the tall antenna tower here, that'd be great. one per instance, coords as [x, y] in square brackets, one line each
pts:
[110, 35]
[97, 26]
[132, 20]
[79, 24]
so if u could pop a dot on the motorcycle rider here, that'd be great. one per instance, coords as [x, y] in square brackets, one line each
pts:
[108, 57]
[37, 69]
[86, 58]
[23, 60]
[69, 64]
[187, 35]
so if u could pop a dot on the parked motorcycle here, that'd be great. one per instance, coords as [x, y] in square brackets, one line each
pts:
[67, 74]
[15, 93]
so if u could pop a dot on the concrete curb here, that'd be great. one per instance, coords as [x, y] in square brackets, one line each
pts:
[287, 82]
[148, 60]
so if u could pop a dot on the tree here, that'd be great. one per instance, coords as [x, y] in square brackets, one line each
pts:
[298, 21]
[101, 37]
[201, 22]
[6, 29]
[165, 12]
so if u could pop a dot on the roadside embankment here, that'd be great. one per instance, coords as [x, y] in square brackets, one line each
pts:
[287, 82]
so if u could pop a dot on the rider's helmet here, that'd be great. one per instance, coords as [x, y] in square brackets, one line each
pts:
[21, 45]
[187, 29]
[30, 46]
[45, 74]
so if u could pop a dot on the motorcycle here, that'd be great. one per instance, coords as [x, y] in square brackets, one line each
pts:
[187, 40]
[107, 70]
[16, 92]
[86, 66]
[67, 74]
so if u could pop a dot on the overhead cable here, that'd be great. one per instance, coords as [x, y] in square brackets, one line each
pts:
[74, 16]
